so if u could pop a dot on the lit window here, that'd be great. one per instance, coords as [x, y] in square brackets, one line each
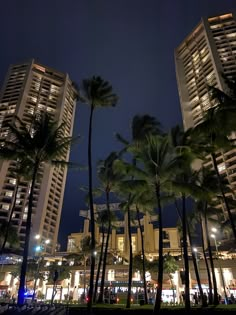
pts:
[221, 167]
[120, 242]
[231, 35]
[216, 26]
[12, 181]
[42, 69]
[134, 243]
[111, 275]
[205, 58]
[9, 193]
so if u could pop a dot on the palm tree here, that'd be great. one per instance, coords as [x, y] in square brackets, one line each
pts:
[85, 251]
[102, 220]
[81, 256]
[170, 267]
[200, 205]
[144, 200]
[191, 223]
[126, 207]
[158, 160]
[57, 273]
[141, 127]
[182, 186]
[96, 93]
[109, 180]
[126, 190]
[43, 143]
[207, 191]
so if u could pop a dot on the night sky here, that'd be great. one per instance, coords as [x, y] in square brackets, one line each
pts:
[128, 42]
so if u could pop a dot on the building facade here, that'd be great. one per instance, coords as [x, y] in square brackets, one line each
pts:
[119, 240]
[28, 90]
[204, 58]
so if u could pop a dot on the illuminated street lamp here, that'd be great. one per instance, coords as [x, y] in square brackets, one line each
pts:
[221, 272]
[38, 248]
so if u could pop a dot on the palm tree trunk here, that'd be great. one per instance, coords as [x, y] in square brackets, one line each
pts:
[100, 299]
[36, 278]
[143, 254]
[92, 219]
[206, 263]
[21, 291]
[172, 286]
[10, 218]
[193, 256]
[195, 263]
[185, 248]
[130, 261]
[85, 261]
[157, 305]
[99, 265]
[231, 219]
[215, 297]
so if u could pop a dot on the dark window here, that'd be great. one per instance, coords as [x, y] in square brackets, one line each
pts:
[165, 235]
[166, 245]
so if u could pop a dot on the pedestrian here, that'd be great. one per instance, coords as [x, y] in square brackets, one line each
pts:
[204, 300]
[232, 298]
[195, 298]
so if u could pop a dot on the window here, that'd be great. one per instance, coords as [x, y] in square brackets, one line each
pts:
[166, 235]
[120, 244]
[9, 193]
[166, 245]
[5, 207]
[221, 167]
[134, 243]
[111, 275]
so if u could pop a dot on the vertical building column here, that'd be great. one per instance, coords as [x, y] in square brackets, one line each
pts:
[72, 279]
[146, 219]
[113, 239]
[148, 233]
[139, 244]
[86, 227]
[97, 234]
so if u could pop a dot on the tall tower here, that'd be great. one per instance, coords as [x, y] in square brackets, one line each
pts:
[30, 88]
[205, 54]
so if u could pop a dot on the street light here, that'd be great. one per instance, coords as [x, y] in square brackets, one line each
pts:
[221, 272]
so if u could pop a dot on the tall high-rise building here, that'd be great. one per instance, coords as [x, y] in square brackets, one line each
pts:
[204, 57]
[28, 90]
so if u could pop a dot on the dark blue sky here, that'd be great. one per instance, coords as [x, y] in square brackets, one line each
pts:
[128, 42]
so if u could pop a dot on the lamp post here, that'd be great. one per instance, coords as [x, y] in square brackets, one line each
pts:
[221, 272]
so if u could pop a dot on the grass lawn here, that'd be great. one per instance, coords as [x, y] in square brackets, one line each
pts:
[106, 309]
